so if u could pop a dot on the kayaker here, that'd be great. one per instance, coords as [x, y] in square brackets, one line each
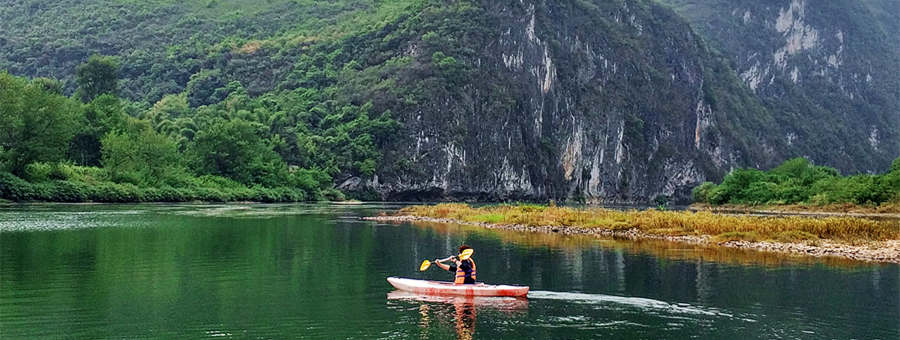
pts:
[465, 269]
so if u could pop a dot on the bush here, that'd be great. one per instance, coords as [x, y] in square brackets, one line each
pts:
[115, 193]
[331, 194]
[38, 171]
[758, 193]
[66, 191]
[76, 173]
[266, 195]
[14, 188]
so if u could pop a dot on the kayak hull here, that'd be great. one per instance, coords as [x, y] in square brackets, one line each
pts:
[448, 288]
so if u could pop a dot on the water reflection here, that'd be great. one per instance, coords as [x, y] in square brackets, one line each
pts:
[657, 248]
[464, 309]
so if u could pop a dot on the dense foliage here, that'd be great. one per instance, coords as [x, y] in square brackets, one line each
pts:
[52, 146]
[291, 109]
[798, 181]
[277, 94]
[162, 44]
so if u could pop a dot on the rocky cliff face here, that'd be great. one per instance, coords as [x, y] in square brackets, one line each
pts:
[827, 70]
[597, 101]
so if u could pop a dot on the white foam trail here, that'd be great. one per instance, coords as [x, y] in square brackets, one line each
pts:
[641, 303]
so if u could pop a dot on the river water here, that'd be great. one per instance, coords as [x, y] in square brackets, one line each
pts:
[318, 271]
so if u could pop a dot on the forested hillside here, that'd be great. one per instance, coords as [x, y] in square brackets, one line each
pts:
[162, 43]
[412, 99]
[158, 119]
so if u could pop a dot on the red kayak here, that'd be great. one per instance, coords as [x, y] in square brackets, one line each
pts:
[448, 288]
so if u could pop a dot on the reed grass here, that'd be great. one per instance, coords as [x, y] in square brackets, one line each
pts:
[674, 223]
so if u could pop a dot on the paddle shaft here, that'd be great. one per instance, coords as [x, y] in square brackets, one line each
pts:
[463, 256]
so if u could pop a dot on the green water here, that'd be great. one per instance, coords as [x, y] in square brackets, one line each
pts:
[317, 271]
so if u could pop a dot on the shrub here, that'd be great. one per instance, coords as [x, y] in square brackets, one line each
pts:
[330, 194]
[76, 173]
[263, 194]
[67, 191]
[38, 171]
[14, 188]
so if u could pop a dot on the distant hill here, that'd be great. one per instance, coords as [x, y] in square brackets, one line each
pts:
[614, 101]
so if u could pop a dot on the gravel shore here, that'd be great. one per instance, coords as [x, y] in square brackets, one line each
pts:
[875, 251]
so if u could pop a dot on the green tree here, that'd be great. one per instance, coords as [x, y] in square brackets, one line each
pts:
[146, 156]
[103, 114]
[205, 88]
[99, 75]
[49, 85]
[702, 193]
[168, 109]
[35, 125]
[237, 149]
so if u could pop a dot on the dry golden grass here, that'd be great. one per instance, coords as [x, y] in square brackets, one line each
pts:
[725, 227]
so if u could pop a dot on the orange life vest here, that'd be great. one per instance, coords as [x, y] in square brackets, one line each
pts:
[461, 275]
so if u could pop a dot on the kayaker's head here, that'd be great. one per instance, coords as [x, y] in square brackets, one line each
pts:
[463, 247]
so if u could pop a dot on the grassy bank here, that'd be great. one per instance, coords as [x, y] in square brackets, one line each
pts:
[673, 223]
[89, 184]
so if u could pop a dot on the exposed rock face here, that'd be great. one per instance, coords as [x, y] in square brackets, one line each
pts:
[827, 70]
[622, 102]
[597, 101]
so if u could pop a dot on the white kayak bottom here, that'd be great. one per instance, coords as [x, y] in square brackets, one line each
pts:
[448, 288]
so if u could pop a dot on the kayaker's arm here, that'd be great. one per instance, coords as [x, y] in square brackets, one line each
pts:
[441, 264]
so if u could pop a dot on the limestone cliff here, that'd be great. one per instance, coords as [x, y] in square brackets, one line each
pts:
[596, 101]
[827, 70]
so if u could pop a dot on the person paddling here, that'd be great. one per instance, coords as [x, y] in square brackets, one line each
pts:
[465, 269]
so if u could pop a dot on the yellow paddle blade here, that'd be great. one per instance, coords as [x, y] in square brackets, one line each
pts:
[466, 254]
[425, 265]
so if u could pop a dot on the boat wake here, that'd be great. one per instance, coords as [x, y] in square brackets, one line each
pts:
[634, 302]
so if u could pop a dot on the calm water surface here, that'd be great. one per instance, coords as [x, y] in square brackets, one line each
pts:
[317, 271]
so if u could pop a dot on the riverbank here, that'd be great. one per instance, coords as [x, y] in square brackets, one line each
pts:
[845, 237]
[95, 187]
